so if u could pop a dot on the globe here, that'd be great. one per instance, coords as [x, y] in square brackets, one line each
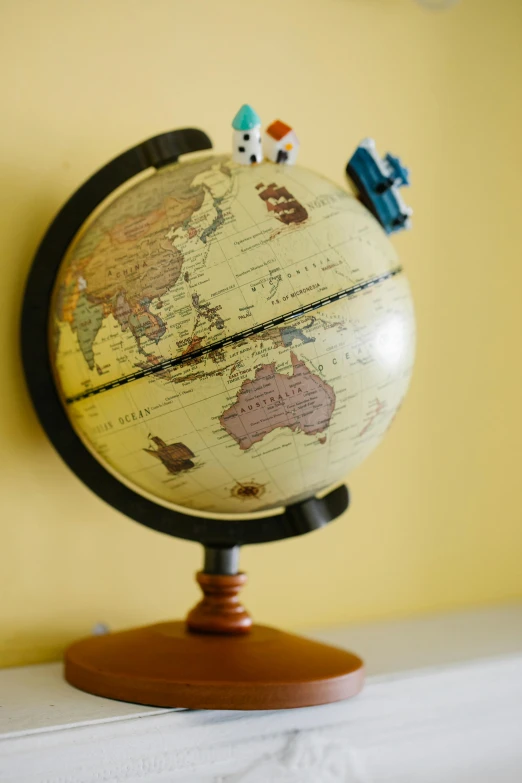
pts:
[231, 339]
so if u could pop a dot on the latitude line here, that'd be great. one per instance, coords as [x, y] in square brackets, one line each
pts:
[236, 338]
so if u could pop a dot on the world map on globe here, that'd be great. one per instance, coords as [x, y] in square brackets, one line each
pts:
[229, 339]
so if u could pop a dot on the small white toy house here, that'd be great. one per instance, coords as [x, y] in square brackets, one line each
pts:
[246, 141]
[281, 143]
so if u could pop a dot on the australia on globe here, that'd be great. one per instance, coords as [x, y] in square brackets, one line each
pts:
[230, 339]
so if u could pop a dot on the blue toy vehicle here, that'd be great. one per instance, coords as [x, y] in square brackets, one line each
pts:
[378, 181]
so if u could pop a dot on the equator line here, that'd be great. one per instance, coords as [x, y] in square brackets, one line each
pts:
[236, 338]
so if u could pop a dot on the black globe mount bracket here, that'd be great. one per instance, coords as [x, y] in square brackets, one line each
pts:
[221, 537]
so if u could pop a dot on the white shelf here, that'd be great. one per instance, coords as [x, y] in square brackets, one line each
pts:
[442, 704]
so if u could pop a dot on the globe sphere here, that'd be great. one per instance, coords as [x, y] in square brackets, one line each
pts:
[230, 339]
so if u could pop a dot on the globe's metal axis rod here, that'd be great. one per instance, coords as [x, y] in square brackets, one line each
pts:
[221, 560]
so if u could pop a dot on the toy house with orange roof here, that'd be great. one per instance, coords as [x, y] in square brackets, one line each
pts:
[281, 144]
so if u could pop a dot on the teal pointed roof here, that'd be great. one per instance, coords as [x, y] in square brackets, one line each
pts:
[246, 118]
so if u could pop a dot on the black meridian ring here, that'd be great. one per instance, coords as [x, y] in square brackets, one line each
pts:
[155, 152]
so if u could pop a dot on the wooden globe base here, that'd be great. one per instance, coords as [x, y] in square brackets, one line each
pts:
[227, 665]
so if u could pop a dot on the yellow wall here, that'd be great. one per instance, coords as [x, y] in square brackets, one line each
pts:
[437, 510]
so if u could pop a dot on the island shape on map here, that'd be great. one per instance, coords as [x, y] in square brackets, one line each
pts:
[175, 456]
[301, 401]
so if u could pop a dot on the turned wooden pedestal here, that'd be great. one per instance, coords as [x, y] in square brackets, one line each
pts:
[217, 659]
